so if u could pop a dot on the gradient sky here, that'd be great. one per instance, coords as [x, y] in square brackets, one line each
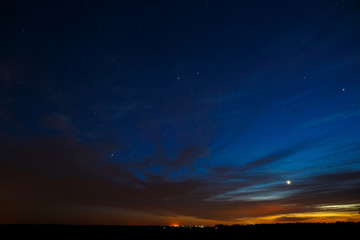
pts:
[186, 112]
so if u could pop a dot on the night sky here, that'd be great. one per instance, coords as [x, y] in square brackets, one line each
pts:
[179, 112]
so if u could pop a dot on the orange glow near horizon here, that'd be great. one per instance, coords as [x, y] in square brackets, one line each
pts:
[266, 214]
[307, 217]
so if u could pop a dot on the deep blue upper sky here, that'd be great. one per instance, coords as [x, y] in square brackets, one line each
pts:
[185, 105]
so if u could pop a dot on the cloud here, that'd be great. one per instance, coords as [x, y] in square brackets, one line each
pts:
[292, 219]
[163, 166]
[189, 155]
[325, 189]
[65, 173]
[50, 170]
[330, 118]
[268, 158]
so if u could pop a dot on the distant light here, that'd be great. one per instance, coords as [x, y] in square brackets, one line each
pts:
[288, 182]
[343, 89]
[174, 225]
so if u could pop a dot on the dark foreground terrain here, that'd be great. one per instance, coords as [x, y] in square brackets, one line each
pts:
[289, 231]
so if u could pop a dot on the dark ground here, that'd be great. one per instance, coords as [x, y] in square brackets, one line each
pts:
[288, 231]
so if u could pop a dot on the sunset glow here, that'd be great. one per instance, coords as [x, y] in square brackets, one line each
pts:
[179, 113]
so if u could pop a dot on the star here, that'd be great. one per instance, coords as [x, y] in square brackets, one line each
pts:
[288, 182]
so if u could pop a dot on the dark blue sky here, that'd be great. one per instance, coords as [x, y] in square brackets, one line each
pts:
[198, 112]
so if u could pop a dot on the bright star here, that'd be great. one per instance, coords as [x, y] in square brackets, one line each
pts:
[288, 182]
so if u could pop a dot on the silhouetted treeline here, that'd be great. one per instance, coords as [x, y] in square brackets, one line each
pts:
[295, 229]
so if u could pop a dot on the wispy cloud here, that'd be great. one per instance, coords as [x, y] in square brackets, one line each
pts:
[343, 115]
[65, 172]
